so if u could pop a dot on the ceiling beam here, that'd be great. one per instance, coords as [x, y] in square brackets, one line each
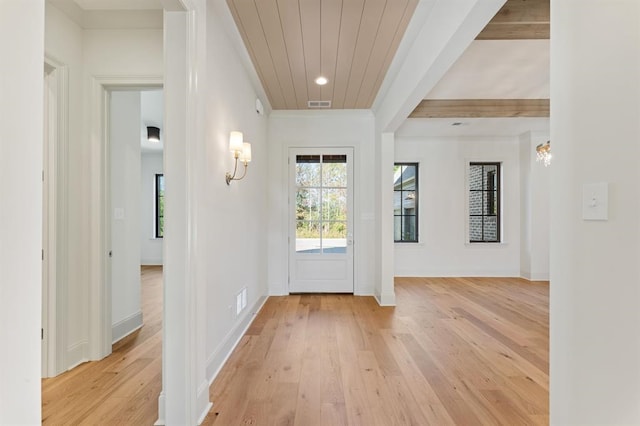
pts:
[436, 37]
[519, 20]
[481, 108]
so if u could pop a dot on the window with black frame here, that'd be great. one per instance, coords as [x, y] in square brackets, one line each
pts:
[159, 206]
[484, 202]
[405, 203]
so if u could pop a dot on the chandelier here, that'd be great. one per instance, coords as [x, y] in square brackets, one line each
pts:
[543, 153]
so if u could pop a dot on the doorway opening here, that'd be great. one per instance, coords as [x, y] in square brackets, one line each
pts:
[135, 158]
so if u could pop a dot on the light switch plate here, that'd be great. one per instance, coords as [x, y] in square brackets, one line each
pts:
[595, 201]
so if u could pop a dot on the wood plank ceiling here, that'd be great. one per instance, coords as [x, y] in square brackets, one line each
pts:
[516, 20]
[349, 42]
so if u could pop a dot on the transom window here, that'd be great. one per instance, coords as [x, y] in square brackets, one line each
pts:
[405, 203]
[484, 202]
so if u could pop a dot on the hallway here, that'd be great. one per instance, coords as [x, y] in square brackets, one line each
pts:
[121, 389]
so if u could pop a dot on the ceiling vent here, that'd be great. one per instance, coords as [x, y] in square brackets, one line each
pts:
[319, 104]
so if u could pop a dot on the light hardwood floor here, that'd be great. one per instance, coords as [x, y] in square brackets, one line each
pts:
[121, 389]
[465, 351]
[454, 351]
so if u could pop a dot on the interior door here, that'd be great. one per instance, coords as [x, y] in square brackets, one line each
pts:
[321, 224]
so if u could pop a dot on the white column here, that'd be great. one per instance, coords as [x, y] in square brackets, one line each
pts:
[184, 398]
[21, 127]
[595, 268]
[534, 209]
[386, 293]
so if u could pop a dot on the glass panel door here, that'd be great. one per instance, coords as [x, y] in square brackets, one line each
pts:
[322, 252]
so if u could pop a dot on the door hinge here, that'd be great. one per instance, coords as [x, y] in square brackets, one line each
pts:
[42, 253]
[42, 334]
[43, 175]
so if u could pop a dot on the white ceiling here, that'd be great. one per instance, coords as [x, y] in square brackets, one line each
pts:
[498, 69]
[490, 69]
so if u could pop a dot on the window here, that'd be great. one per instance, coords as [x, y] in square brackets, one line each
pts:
[405, 203]
[159, 206]
[484, 202]
[321, 203]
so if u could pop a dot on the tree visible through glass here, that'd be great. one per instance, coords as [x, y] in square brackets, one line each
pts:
[321, 203]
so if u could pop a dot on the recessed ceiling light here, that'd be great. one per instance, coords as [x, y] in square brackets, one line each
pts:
[321, 81]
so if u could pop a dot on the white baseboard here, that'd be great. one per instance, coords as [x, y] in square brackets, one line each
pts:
[221, 354]
[161, 409]
[151, 262]
[203, 400]
[203, 395]
[535, 276]
[386, 299]
[77, 354]
[459, 274]
[123, 328]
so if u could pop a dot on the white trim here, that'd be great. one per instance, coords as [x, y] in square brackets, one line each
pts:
[535, 276]
[123, 328]
[100, 327]
[440, 273]
[77, 354]
[386, 299]
[151, 262]
[56, 248]
[161, 409]
[354, 113]
[221, 354]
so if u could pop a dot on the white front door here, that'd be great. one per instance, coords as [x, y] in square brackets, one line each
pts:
[321, 224]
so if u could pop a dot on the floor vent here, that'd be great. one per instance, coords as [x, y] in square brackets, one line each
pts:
[319, 104]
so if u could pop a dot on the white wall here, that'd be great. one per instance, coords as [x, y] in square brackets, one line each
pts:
[321, 129]
[150, 247]
[444, 248]
[21, 106]
[595, 268]
[87, 54]
[126, 312]
[231, 220]
[123, 52]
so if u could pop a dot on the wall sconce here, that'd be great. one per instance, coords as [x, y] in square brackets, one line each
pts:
[241, 151]
[153, 134]
[543, 153]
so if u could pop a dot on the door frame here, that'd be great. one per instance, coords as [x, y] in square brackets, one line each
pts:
[55, 217]
[351, 235]
[100, 327]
